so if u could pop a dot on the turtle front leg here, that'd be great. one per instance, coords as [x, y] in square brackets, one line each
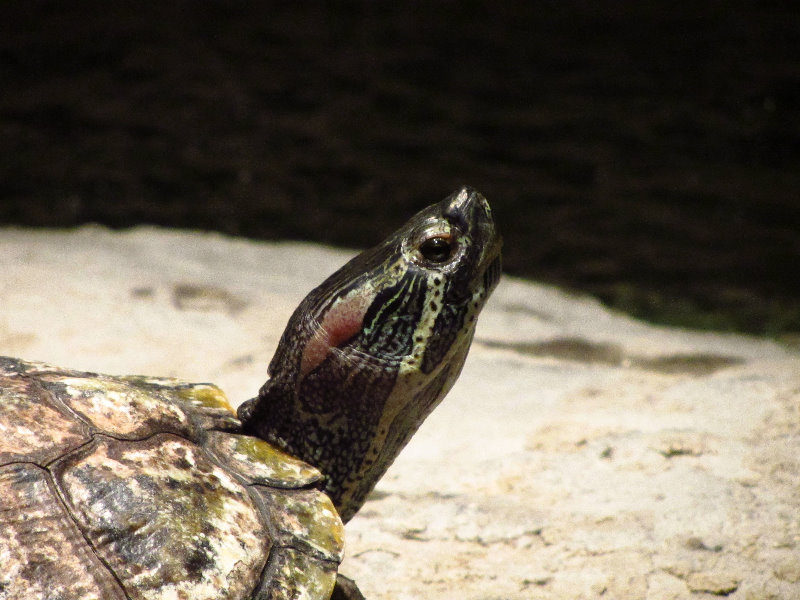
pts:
[346, 589]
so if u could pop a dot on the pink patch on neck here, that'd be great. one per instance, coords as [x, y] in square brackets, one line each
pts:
[342, 321]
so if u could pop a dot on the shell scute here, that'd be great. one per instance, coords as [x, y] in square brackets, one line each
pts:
[294, 575]
[260, 462]
[305, 520]
[165, 518]
[10, 365]
[205, 403]
[119, 407]
[32, 426]
[42, 552]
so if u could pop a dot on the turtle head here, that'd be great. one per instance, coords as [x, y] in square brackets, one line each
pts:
[370, 352]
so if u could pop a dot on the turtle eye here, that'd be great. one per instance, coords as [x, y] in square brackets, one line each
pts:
[437, 249]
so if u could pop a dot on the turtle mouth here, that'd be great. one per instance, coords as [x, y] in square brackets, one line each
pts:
[493, 259]
[491, 276]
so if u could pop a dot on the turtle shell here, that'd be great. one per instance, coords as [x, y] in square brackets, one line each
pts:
[138, 487]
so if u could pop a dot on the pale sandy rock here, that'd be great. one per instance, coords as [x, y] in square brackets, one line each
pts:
[581, 455]
[718, 583]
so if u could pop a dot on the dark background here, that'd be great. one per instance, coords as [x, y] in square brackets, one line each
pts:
[646, 152]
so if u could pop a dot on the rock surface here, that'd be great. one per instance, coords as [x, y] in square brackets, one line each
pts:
[581, 455]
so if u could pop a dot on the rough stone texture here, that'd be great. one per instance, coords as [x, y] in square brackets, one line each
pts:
[582, 454]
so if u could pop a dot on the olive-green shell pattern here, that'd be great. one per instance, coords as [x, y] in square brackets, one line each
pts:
[141, 488]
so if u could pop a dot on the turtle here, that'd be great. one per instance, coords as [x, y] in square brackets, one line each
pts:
[137, 487]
